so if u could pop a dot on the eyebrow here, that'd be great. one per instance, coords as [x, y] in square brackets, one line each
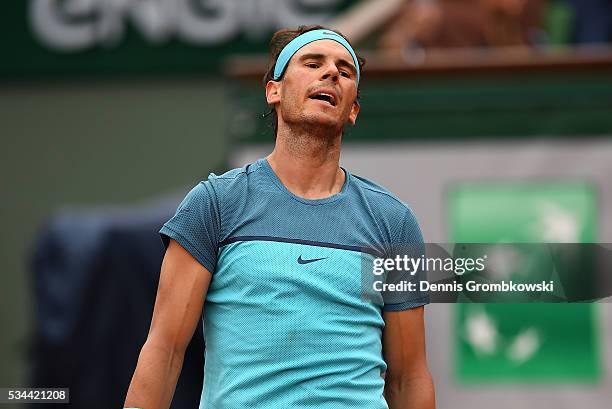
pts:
[341, 61]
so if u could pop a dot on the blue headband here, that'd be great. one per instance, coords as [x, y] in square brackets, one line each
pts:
[307, 38]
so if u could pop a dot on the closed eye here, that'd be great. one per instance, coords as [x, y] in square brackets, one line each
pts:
[344, 73]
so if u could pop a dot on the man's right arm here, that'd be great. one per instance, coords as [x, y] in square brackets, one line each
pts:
[183, 285]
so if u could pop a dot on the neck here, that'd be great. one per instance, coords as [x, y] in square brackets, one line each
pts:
[308, 163]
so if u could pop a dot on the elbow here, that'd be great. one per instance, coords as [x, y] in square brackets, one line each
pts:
[408, 381]
[415, 390]
[173, 350]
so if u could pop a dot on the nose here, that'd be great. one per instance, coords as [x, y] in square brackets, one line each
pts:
[331, 72]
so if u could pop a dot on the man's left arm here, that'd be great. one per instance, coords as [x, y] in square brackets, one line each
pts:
[408, 383]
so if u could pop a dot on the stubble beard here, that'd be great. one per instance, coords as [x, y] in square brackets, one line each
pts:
[310, 135]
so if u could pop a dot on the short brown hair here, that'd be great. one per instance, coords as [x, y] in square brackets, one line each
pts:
[279, 40]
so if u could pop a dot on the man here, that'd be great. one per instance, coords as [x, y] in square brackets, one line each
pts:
[276, 250]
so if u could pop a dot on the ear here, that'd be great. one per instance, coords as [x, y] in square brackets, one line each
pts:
[273, 92]
[354, 112]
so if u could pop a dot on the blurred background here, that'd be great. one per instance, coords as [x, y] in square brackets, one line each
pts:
[491, 118]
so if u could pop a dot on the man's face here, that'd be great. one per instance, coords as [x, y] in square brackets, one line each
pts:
[319, 87]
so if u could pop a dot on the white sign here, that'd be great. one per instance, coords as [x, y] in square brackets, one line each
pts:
[76, 25]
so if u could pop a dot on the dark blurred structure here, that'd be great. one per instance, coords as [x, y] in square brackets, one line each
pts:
[593, 21]
[95, 276]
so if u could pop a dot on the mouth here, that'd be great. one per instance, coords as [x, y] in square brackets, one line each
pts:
[324, 96]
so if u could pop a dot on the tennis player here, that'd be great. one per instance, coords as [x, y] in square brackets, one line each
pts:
[271, 255]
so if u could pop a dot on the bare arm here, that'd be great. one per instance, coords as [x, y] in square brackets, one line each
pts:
[408, 383]
[183, 285]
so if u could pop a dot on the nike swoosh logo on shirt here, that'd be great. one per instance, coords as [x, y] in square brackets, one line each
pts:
[300, 260]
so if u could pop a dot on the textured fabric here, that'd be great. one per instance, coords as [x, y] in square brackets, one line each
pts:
[291, 318]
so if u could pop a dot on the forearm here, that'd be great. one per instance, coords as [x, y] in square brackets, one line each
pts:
[413, 393]
[155, 377]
